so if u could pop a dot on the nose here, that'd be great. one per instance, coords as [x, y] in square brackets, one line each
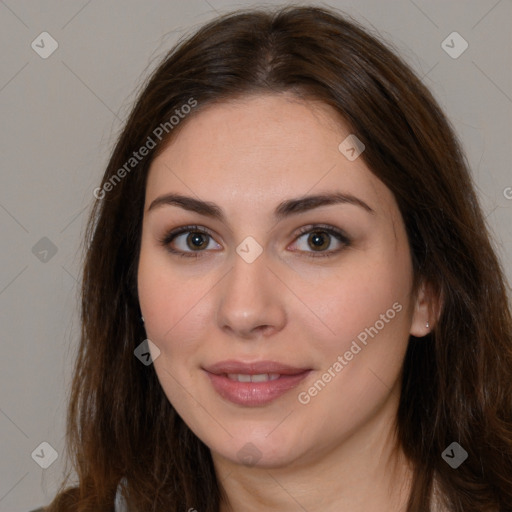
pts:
[251, 303]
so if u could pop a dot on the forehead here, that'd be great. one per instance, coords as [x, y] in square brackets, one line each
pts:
[260, 149]
[265, 126]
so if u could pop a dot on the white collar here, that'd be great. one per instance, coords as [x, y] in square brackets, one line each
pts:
[120, 502]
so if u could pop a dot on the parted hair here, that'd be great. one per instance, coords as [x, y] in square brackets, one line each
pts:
[456, 382]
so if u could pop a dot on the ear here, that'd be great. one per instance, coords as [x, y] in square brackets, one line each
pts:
[426, 311]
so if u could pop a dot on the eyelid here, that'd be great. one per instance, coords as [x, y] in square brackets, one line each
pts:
[169, 236]
[173, 233]
[337, 233]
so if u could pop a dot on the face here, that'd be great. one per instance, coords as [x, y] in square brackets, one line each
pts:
[279, 290]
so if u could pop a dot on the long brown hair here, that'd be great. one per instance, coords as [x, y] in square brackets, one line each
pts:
[456, 383]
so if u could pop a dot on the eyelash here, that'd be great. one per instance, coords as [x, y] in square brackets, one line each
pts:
[340, 236]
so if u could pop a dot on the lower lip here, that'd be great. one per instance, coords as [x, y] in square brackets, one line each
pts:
[253, 394]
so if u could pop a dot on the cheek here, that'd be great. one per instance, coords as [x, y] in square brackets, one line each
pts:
[369, 320]
[360, 295]
[362, 355]
[173, 307]
[173, 315]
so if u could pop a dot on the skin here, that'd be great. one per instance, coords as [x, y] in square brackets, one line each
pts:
[338, 451]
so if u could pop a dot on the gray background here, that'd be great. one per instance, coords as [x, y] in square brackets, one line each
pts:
[60, 116]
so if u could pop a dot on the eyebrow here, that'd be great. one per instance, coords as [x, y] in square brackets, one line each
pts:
[284, 209]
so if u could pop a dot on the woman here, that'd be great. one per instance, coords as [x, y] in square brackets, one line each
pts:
[290, 300]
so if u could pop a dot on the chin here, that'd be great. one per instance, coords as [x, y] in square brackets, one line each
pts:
[259, 450]
[254, 454]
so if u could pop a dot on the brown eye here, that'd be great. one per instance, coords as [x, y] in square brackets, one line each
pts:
[319, 240]
[196, 240]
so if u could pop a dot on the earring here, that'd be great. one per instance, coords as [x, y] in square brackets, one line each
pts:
[428, 325]
[142, 318]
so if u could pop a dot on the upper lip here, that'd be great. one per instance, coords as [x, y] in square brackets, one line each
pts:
[254, 368]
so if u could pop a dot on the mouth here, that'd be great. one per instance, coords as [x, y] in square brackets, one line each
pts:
[254, 384]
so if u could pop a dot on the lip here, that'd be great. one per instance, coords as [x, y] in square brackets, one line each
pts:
[254, 368]
[254, 394]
